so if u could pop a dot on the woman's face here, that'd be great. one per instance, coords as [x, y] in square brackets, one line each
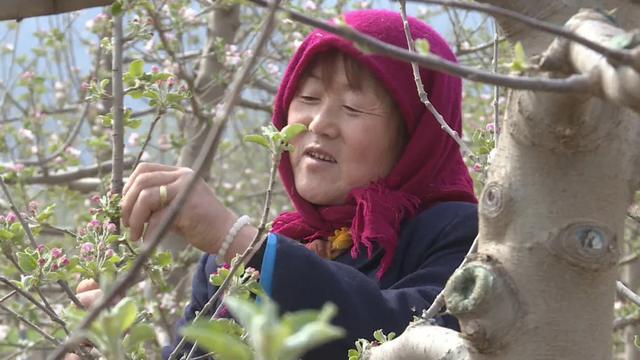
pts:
[353, 136]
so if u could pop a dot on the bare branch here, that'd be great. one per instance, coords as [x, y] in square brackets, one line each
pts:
[20, 9]
[148, 138]
[255, 105]
[616, 55]
[574, 83]
[66, 177]
[117, 154]
[627, 293]
[31, 325]
[422, 92]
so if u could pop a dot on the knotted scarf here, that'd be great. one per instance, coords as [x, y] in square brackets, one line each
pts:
[429, 170]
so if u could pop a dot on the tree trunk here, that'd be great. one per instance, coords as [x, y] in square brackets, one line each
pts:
[542, 284]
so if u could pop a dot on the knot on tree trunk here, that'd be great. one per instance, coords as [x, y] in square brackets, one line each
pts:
[483, 297]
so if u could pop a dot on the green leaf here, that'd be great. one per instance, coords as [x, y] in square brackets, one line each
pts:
[136, 69]
[138, 334]
[164, 259]
[104, 83]
[292, 130]
[309, 337]
[27, 262]
[213, 337]
[133, 123]
[379, 335]
[5, 234]
[116, 8]
[258, 139]
[519, 59]
[423, 46]
[125, 313]
[136, 94]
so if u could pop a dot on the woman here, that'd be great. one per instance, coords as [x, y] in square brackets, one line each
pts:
[374, 166]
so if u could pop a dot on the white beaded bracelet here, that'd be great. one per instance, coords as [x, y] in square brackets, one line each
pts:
[231, 235]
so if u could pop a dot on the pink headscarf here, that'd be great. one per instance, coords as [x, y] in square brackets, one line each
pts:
[430, 169]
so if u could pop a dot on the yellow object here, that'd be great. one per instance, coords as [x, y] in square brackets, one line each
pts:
[341, 239]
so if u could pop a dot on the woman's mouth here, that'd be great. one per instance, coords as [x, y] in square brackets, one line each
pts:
[321, 156]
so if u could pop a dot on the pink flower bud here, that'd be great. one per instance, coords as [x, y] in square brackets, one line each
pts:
[64, 261]
[87, 248]
[54, 267]
[56, 253]
[111, 228]
[40, 248]
[155, 69]
[94, 224]
[171, 81]
[41, 262]
[18, 168]
[82, 232]
[95, 199]
[109, 253]
[490, 127]
[85, 86]
[477, 167]
[11, 218]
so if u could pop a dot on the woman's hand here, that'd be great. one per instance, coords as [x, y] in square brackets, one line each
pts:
[203, 221]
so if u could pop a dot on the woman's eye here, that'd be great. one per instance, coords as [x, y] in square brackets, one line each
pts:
[351, 109]
[306, 98]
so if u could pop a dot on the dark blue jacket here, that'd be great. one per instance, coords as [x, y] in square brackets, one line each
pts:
[430, 248]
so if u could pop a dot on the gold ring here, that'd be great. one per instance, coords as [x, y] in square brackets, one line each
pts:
[163, 196]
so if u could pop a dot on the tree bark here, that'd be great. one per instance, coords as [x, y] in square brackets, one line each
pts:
[20, 9]
[542, 284]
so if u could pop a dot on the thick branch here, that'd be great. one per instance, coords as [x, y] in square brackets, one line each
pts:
[20, 9]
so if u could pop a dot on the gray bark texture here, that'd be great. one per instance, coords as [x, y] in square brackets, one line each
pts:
[542, 284]
[20, 9]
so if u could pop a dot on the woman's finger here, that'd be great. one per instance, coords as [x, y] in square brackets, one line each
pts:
[86, 285]
[149, 180]
[143, 168]
[147, 203]
[89, 298]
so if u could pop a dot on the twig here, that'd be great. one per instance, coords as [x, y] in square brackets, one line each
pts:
[148, 138]
[496, 89]
[438, 302]
[117, 154]
[244, 258]
[54, 317]
[488, 44]
[30, 324]
[627, 293]
[66, 177]
[617, 55]
[211, 143]
[422, 92]
[69, 140]
[15, 210]
[620, 323]
[573, 83]
[9, 295]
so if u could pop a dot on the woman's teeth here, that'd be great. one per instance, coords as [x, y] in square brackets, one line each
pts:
[322, 157]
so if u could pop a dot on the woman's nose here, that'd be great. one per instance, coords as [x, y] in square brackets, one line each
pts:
[324, 122]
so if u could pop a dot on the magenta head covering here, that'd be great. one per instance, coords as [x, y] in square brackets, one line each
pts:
[429, 170]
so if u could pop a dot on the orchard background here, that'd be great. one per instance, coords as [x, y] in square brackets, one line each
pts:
[71, 133]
